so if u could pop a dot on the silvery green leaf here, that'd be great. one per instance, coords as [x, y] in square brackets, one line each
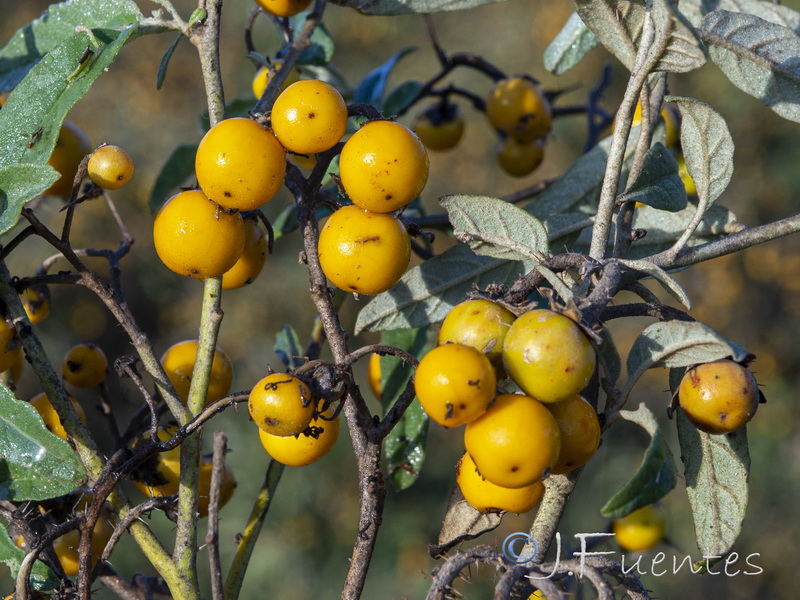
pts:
[658, 185]
[654, 478]
[707, 148]
[780, 14]
[404, 7]
[716, 469]
[677, 344]
[608, 357]
[496, 228]
[660, 275]
[569, 47]
[564, 229]
[759, 57]
[427, 292]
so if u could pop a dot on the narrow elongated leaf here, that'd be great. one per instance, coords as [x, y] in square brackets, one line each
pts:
[34, 463]
[658, 184]
[655, 477]
[496, 228]
[608, 357]
[30, 43]
[162, 66]
[178, 168]
[18, 185]
[288, 348]
[404, 447]
[660, 275]
[426, 293]
[40, 102]
[677, 344]
[716, 469]
[404, 7]
[707, 148]
[42, 578]
[759, 57]
[569, 47]
[373, 86]
[619, 25]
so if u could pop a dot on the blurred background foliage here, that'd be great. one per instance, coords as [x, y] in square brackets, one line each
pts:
[752, 298]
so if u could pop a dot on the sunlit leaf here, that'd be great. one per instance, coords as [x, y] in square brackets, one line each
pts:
[759, 57]
[178, 168]
[496, 228]
[660, 275]
[716, 469]
[30, 43]
[427, 292]
[404, 447]
[768, 10]
[34, 463]
[403, 7]
[42, 578]
[18, 185]
[654, 478]
[569, 47]
[658, 184]
[463, 522]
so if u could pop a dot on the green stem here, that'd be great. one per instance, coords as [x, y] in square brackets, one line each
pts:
[247, 540]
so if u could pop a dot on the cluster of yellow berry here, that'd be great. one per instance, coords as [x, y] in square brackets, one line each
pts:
[290, 425]
[513, 441]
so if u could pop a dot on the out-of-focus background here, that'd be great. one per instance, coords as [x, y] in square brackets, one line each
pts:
[752, 298]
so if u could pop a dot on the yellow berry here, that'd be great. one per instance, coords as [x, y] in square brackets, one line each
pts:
[252, 260]
[363, 252]
[50, 417]
[640, 530]
[71, 147]
[281, 405]
[518, 107]
[36, 301]
[548, 355]
[283, 8]
[683, 172]
[261, 79]
[85, 365]
[479, 323]
[383, 166]
[515, 443]
[440, 127]
[178, 362]
[484, 495]
[580, 432]
[374, 374]
[519, 159]
[455, 384]
[303, 448]
[196, 238]
[240, 164]
[110, 167]
[309, 117]
[9, 345]
[227, 486]
[719, 397]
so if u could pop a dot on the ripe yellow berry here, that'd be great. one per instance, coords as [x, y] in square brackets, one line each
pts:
[303, 448]
[374, 374]
[50, 417]
[479, 323]
[252, 260]
[261, 79]
[683, 172]
[178, 362]
[518, 107]
[281, 404]
[455, 384]
[15, 370]
[85, 365]
[363, 252]
[383, 166]
[580, 432]
[9, 345]
[484, 495]
[283, 8]
[240, 164]
[440, 127]
[640, 530]
[194, 237]
[71, 146]
[227, 486]
[110, 167]
[36, 301]
[309, 117]
[519, 159]
[515, 443]
[719, 397]
[548, 355]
